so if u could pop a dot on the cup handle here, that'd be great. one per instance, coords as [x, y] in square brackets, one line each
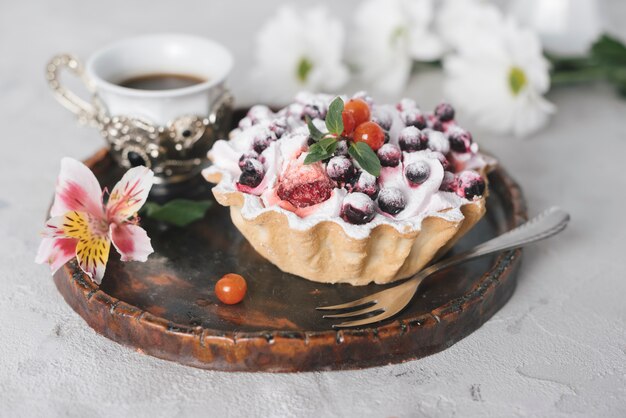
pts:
[85, 111]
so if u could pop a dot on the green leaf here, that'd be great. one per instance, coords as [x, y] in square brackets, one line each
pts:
[315, 133]
[315, 155]
[334, 121]
[321, 150]
[608, 51]
[328, 143]
[179, 212]
[366, 157]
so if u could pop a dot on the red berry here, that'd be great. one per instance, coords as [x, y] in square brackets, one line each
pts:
[360, 110]
[348, 122]
[371, 133]
[231, 288]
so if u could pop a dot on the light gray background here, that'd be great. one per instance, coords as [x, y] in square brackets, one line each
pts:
[558, 348]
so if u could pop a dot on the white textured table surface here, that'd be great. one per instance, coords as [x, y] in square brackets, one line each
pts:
[558, 348]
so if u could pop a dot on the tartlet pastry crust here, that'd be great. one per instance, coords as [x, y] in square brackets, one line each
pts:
[325, 253]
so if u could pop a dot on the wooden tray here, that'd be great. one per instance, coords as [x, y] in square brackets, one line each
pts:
[166, 307]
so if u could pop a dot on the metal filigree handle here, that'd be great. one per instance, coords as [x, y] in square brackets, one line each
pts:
[83, 110]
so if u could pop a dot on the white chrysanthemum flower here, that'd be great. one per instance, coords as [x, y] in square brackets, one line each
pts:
[387, 36]
[299, 51]
[463, 24]
[566, 27]
[501, 81]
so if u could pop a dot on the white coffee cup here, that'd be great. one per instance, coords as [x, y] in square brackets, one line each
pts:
[160, 110]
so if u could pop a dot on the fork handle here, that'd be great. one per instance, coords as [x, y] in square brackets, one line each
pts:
[543, 226]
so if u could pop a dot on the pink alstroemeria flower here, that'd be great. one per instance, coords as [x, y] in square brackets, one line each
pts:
[82, 226]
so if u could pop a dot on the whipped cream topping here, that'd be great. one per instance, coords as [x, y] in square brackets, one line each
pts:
[284, 154]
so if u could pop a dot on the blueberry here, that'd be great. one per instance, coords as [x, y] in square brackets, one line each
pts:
[444, 112]
[278, 127]
[437, 141]
[247, 155]
[460, 141]
[261, 142]
[340, 169]
[252, 173]
[412, 139]
[391, 201]
[413, 117]
[444, 161]
[389, 155]
[358, 209]
[475, 188]
[366, 183]
[436, 125]
[383, 119]
[470, 184]
[314, 110]
[418, 172]
[447, 183]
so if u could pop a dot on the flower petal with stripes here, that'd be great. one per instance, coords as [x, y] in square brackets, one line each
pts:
[93, 243]
[129, 194]
[77, 190]
[131, 241]
[56, 252]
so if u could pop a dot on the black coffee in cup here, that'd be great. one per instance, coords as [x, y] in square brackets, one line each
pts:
[160, 81]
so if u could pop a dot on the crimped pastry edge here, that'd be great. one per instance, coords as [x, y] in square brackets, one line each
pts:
[326, 253]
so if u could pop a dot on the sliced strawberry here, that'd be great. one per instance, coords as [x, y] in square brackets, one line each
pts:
[307, 194]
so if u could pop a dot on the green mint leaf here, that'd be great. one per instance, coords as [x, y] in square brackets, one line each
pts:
[321, 150]
[315, 133]
[314, 156]
[366, 157]
[328, 143]
[334, 121]
[179, 212]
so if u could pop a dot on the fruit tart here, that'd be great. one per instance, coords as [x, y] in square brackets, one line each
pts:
[345, 190]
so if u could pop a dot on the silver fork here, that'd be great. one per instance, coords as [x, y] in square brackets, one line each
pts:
[389, 302]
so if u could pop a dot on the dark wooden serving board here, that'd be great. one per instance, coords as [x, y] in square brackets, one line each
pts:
[166, 307]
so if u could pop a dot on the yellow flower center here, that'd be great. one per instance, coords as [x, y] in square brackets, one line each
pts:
[304, 68]
[397, 34]
[517, 80]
